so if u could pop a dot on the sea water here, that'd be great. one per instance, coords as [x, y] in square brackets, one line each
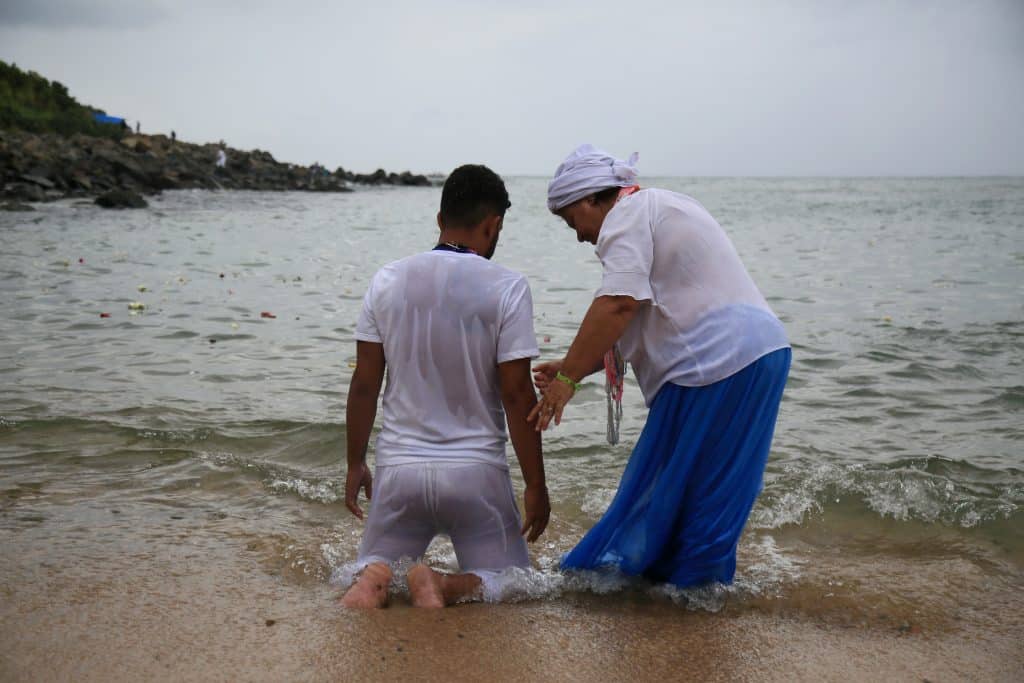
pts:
[181, 372]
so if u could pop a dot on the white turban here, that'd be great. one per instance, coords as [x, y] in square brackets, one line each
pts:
[588, 170]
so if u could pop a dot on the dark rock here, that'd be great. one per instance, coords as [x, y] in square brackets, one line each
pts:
[139, 143]
[43, 167]
[240, 163]
[25, 192]
[81, 180]
[167, 181]
[408, 179]
[121, 199]
[38, 180]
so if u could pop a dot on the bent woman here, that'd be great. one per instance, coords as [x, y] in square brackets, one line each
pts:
[709, 355]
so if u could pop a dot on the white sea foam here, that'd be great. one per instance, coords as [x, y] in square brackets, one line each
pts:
[320, 492]
[767, 571]
[187, 435]
[597, 500]
[905, 493]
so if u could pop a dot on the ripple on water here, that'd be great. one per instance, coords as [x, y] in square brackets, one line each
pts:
[179, 334]
[864, 392]
[878, 356]
[917, 371]
[231, 337]
[821, 363]
[1011, 398]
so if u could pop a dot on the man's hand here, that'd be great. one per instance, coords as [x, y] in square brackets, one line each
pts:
[357, 478]
[538, 511]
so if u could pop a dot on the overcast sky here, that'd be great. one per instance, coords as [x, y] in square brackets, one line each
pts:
[819, 87]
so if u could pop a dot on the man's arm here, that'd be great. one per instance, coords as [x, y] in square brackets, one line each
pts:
[359, 415]
[518, 398]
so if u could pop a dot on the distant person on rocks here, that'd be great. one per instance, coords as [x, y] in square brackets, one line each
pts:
[453, 332]
[173, 136]
[138, 127]
[222, 157]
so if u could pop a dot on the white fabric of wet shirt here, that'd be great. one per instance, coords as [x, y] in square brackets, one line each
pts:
[707, 319]
[446, 320]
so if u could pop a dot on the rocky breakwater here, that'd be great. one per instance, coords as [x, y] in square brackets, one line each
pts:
[45, 167]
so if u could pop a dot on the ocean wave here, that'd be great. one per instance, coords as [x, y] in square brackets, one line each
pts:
[281, 479]
[931, 490]
[315, 491]
[176, 435]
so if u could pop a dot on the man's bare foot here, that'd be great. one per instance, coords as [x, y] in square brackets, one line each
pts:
[426, 587]
[370, 590]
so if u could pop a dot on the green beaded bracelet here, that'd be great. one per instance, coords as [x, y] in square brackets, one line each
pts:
[568, 380]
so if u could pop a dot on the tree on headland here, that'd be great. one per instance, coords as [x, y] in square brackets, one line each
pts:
[31, 103]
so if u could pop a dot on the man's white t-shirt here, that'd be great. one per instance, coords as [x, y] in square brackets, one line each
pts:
[705, 319]
[446, 320]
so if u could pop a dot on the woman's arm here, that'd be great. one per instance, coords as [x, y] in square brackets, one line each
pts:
[605, 321]
[544, 373]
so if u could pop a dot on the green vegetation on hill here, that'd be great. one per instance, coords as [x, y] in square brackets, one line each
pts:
[31, 103]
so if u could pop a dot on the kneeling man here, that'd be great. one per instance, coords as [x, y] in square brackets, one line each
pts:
[454, 331]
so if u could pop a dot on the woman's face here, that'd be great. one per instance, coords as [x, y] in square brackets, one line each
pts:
[585, 217]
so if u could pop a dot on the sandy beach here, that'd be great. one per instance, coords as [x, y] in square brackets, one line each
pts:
[203, 611]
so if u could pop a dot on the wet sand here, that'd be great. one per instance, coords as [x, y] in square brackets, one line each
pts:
[178, 610]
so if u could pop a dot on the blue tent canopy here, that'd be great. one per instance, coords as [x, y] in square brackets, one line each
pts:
[103, 118]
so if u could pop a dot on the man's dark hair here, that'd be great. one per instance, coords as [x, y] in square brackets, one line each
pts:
[470, 194]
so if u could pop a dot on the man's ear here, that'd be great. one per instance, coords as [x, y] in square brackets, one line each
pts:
[440, 225]
[491, 225]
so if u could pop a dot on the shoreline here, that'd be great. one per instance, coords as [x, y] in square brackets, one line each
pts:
[150, 592]
[46, 167]
[136, 623]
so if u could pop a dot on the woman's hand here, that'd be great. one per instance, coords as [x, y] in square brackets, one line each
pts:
[555, 396]
[544, 374]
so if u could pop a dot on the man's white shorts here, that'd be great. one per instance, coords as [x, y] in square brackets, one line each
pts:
[473, 503]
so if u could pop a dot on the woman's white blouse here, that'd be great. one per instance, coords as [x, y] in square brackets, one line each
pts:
[706, 319]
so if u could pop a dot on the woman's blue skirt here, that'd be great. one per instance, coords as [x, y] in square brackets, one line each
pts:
[691, 481]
